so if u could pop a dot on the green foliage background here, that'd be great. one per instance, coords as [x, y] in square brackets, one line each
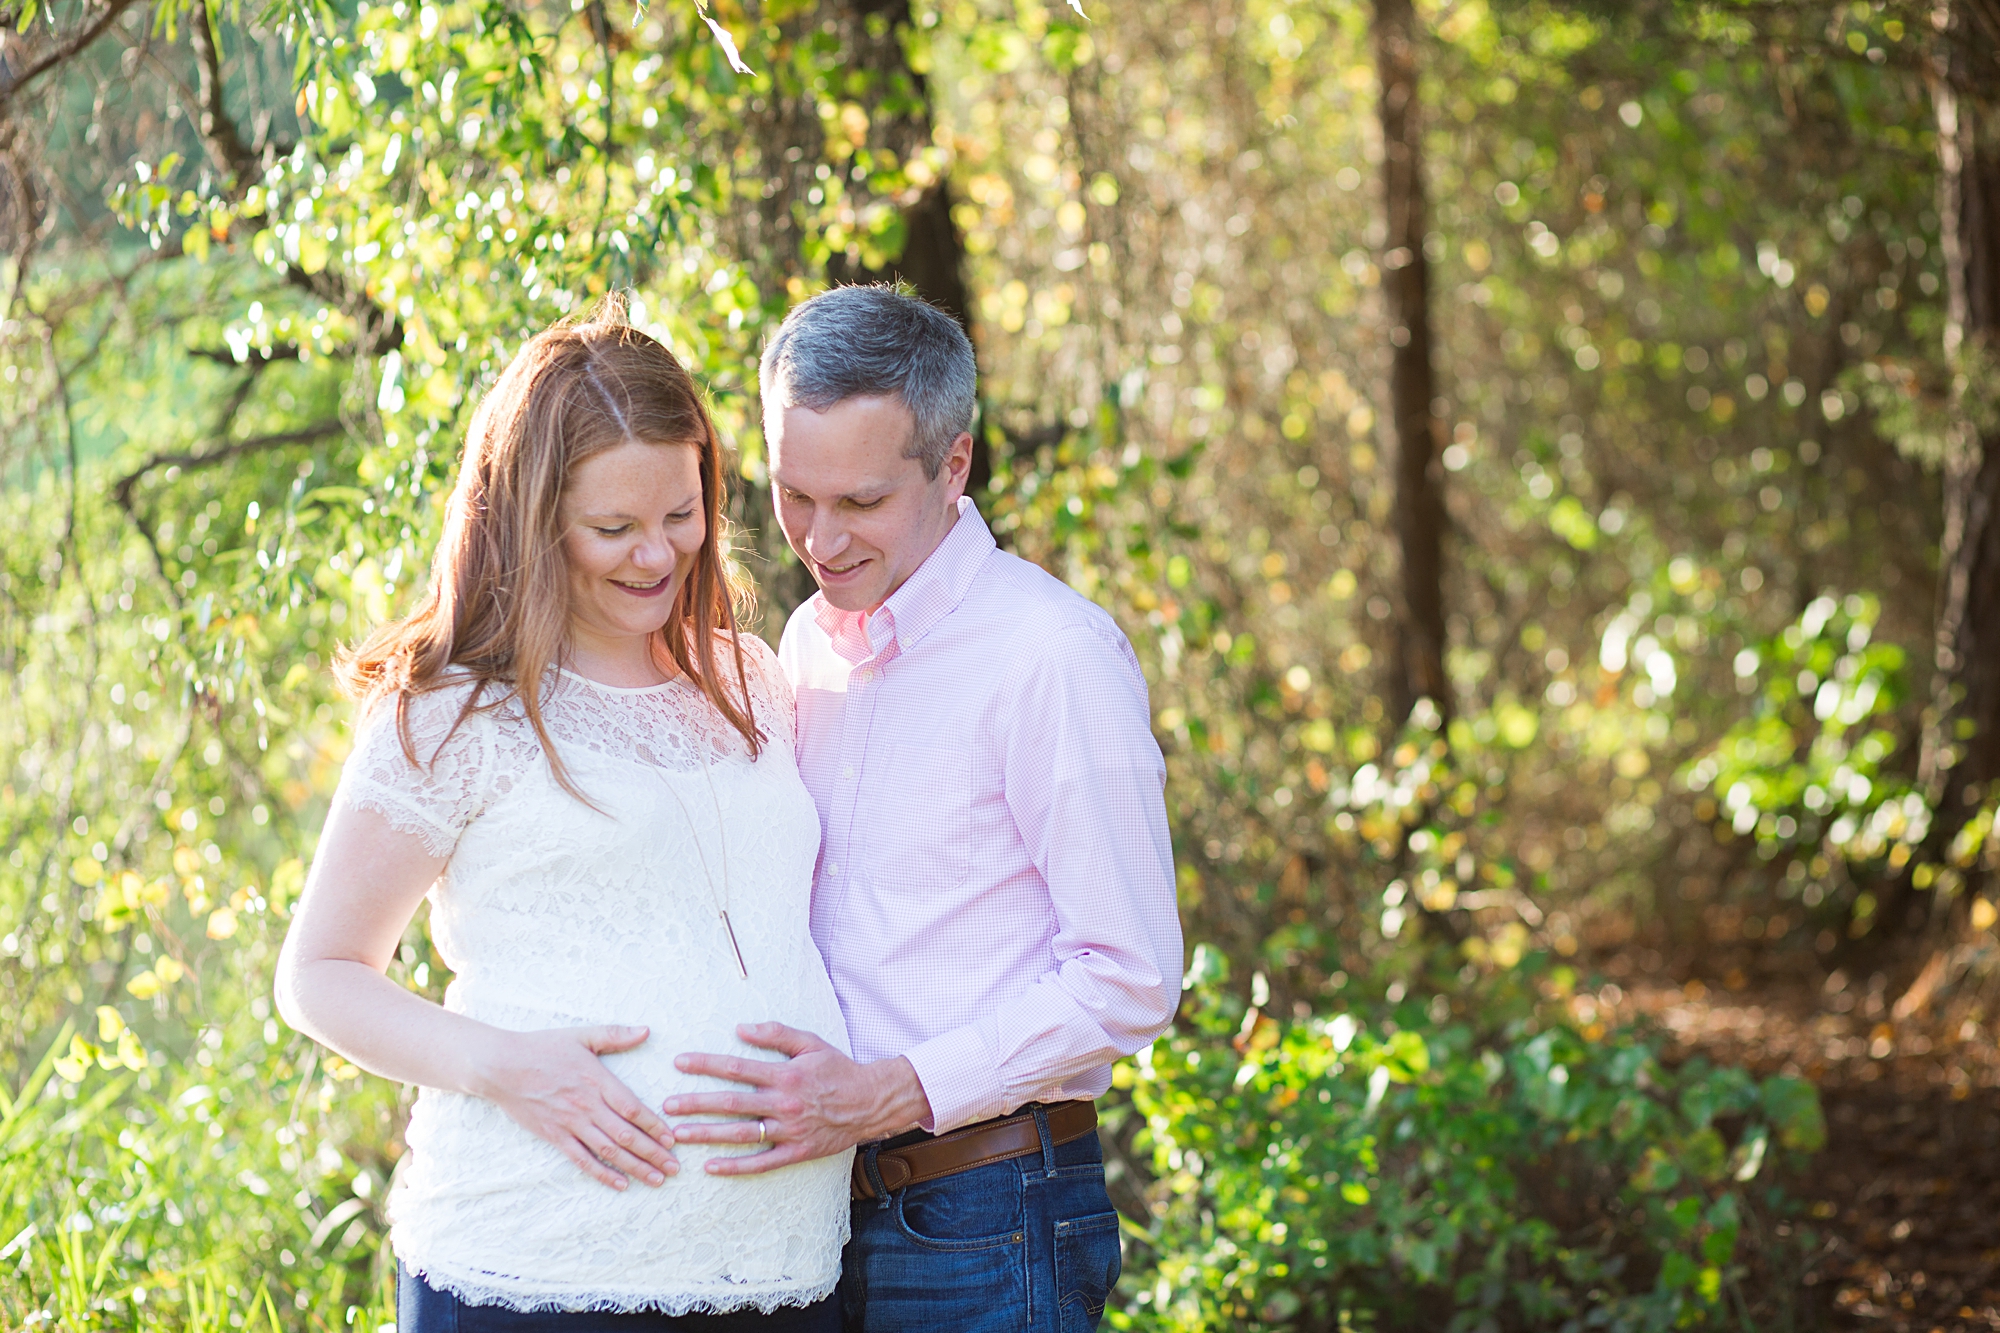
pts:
[1687, 302]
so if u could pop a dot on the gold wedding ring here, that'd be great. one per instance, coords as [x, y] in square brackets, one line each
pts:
[762, 1134]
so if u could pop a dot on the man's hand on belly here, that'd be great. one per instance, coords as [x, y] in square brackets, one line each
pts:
[817, 1103]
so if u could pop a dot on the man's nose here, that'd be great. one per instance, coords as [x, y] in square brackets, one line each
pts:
[826, 536]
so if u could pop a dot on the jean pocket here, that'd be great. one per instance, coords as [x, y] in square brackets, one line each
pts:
[973, 1210]
[1088, 1262]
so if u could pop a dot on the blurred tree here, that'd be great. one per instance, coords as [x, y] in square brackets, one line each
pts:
[1413, 423]
[1961, 755]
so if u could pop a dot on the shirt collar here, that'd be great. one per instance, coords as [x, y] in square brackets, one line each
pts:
[938, 585]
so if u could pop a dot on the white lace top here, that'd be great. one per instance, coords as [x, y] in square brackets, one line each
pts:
[552, 914]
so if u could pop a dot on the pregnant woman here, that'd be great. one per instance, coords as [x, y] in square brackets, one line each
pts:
[569, 747]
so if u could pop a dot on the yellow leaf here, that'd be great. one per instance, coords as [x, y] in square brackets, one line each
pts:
[169, 970]
[130, 1053]
[221, 923]
[109, 1023]
[86, 870]
[187, 862]
[76, 1064]
[1984, 914]
[144, 986]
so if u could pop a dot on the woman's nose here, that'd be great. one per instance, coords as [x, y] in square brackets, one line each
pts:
[654, 551]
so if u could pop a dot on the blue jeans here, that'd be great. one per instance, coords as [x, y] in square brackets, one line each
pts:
[1023, 1246]
[422, 1308]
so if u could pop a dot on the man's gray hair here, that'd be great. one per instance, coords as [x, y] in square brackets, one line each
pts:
[874, 341]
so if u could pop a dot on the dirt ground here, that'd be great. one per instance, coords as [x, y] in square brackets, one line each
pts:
[1905, 1199]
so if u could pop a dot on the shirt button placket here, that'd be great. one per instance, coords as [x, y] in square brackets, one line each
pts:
[859, 712]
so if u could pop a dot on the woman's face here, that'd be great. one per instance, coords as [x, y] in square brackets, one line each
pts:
[632, 523]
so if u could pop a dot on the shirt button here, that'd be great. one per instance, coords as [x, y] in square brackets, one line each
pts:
[848, 773]
[833, 870]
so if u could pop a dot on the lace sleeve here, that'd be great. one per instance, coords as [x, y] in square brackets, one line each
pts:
[448, 787]
[770, 693]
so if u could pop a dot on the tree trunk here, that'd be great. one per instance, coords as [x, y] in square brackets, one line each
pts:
[1419, 506]
[1961, 752]
[792, 145]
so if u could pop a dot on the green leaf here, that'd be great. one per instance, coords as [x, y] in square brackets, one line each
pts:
[1793, 1105]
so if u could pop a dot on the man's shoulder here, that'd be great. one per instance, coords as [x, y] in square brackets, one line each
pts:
[1029, 595]
[1043, 619]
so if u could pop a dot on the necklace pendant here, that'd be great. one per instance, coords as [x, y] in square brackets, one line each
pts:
[734, 947]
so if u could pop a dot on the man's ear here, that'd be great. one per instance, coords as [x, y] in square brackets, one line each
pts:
[957, 468]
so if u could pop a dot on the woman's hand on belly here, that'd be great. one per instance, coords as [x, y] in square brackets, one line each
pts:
[555, 1087]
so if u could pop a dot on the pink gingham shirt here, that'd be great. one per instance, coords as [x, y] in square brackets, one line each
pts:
[995, 889]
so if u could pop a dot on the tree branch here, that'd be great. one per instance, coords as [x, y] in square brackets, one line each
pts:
[258, 356]
[233, 156]
[65, 52]
[319, 430]
[226, 148]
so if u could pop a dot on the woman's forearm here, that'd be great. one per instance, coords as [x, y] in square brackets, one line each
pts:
[364, 1016]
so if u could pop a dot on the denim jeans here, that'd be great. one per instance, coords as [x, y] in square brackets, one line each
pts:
[1023, 1246]
[422, 1308]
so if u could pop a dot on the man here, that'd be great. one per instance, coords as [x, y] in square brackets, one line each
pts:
[995, 892]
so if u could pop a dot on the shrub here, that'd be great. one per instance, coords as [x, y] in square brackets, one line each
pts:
[1521, 1172]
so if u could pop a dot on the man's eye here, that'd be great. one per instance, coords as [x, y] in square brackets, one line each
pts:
[866, 504]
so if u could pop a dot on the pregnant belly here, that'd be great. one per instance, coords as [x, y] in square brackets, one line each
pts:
[480, 1195]
[678, 1019]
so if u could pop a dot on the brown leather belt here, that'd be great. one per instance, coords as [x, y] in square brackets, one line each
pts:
[976, 1145]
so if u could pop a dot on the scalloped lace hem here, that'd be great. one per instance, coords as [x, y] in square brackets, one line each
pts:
[399, 818]
[521, 1296]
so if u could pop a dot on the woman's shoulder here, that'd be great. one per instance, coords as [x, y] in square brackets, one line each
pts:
[756, 653]
[770, 692]
[426, 758]
[456, 723]
[435, 712]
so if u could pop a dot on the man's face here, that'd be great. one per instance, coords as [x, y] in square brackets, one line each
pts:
[860, 514]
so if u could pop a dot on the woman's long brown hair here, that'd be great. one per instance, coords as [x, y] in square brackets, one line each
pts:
[497, 610]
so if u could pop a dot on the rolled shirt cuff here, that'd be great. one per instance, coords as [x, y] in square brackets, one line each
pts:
[959, 1079]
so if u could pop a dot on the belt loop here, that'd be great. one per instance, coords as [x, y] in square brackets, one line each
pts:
[873, 1170]
[1041, 1114]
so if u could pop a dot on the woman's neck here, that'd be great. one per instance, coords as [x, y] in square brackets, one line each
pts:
[626, 662]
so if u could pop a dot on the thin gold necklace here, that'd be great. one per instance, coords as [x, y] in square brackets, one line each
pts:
[721, 904]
